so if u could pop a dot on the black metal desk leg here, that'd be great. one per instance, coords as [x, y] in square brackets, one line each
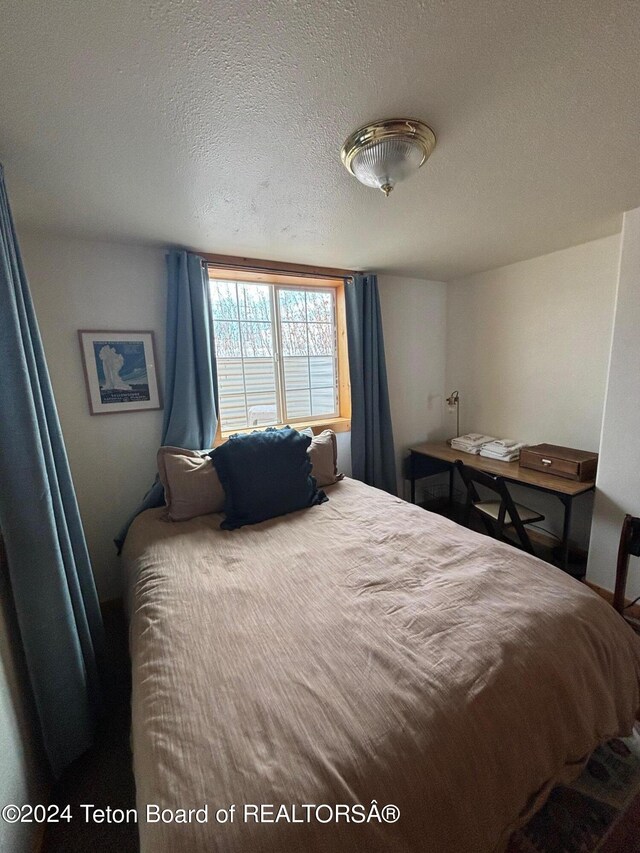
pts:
[413, 490]
[451, 485]
[567, 500]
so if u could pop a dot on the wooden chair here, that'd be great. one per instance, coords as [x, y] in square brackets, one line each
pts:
[496, 515]
[629, 546]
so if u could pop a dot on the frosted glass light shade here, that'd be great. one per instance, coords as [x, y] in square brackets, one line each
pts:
[387, 162]
[381, 154]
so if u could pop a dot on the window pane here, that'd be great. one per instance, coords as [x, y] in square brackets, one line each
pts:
[254, 302]
[227, 336]
[256, 340]
[230, 377]
[298, 403]
[322, 370]
[260, 376]
[256, 376]
[323, 401]
[292, 305]
[294, 338]
[233, 412]
[224, 305]
[296, 372]
[321, 339]
[262, 409]
[320, 307]
[249, 376]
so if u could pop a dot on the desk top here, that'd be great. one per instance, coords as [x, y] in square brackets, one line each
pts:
[509, 470]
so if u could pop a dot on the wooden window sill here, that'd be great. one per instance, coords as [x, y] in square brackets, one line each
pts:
[336, 424]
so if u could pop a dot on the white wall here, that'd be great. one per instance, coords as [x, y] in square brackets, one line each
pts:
[618, 481]
[82, 284]
[414, 319]
[22, 774]
[528, 349]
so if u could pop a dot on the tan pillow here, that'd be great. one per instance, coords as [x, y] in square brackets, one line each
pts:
[191, 484]
[323, 452]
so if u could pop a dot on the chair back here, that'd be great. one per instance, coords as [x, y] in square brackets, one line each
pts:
[629, 546]
[472, 478]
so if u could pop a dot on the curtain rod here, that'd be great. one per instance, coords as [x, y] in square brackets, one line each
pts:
[255, 265]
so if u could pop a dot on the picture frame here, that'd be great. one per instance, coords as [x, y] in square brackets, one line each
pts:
[119, 371]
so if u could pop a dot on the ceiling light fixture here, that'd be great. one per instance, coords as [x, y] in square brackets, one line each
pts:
[385, 152]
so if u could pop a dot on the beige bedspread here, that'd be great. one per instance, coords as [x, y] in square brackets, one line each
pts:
[360, 650]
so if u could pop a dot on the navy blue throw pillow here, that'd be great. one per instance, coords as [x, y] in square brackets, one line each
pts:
[265, 474]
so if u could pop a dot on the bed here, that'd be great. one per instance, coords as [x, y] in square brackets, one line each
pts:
[365, 653]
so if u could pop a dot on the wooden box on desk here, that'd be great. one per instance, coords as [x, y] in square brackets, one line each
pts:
[565, 462]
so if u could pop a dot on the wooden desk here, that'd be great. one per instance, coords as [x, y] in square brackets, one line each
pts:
[436, 457]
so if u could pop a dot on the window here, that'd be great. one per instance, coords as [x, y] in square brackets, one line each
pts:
[281, 351]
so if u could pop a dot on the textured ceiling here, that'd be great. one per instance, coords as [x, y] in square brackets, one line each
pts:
[219, 125]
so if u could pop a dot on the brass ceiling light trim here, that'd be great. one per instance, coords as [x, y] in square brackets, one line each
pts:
[387, 151]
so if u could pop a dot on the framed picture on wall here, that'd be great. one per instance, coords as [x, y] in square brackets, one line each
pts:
[120, 371]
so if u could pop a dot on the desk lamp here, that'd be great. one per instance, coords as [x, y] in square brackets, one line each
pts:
[453, 401]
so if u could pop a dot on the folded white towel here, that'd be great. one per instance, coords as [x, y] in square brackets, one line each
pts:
[472, 439]
[509, 457]
[473, 450]
[504, 442]
[463, 445]
[505, 459]
[502, 449]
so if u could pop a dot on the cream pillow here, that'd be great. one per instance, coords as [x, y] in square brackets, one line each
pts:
[191, 484]
[323, 453]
